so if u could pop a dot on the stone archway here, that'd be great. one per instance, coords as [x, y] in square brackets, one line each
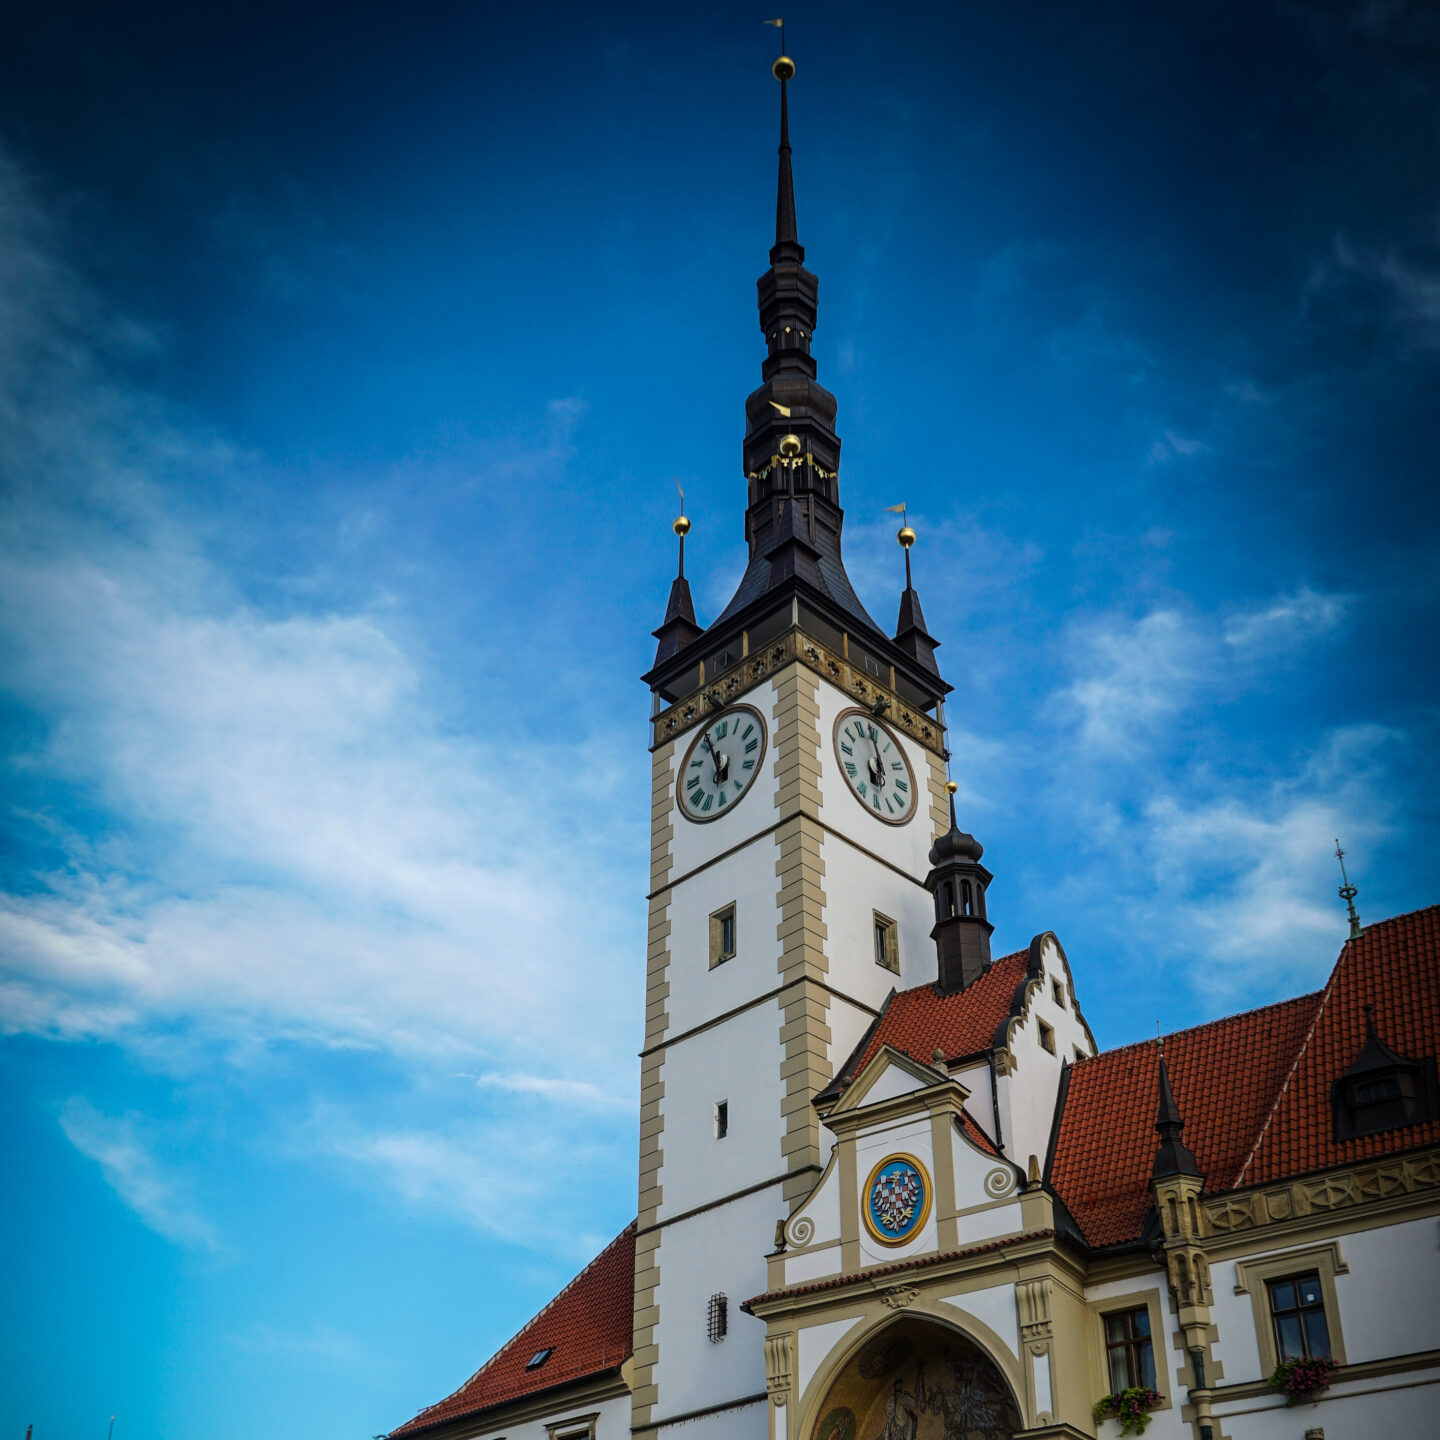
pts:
[917, 1380]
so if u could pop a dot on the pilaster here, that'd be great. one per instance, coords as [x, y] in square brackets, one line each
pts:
[652, 1088]
[800, 868]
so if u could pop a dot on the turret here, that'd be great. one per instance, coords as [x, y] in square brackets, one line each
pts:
[957, 880]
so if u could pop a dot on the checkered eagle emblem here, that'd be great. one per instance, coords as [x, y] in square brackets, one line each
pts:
[896, 1196]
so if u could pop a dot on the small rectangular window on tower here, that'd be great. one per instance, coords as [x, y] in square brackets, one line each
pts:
[722, 935]
[1058, 991]
[722, 1119]
[1047, 1037]
[887, 943]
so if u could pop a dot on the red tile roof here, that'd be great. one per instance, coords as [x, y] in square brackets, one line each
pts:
[920, 1021]
[589, 1326]
[1225, 1076]
[1395, 968]
[1254, 1089]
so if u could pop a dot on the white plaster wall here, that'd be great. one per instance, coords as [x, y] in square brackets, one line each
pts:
[847, 1024]
[1390, 1300]
[720, 1250]
[822, 1207]
[1027, 1097]
[695, 843]
[994, 1306]
[813, 1265]
[981, 1105]
[987, 1224]
[912, 1137]
[908, 845]
[856, 886]
[1234, 1320]
[892, 1082]
[739, 1062]
[613, 1423]
[813, 1344]
[752, 1422]
[698, 993]
[972, 1168]
[1394, 1405]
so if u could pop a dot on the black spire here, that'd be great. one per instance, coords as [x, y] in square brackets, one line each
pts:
[785, 232]
[678, 628]
[1174, 1156]
[910, 632]
[791, 453]
[957, 880]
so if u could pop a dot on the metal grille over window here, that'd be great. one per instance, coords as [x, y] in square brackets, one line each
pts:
[717, 1318]
[1128, 1350]
[1297, 1308]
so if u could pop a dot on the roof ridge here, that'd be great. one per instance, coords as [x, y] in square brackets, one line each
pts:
[930, 984]
[1325, 995]
[1207, 1024]
[1404, 915]
[534, 1319]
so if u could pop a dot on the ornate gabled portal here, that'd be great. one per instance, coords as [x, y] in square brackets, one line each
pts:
[916, 1380]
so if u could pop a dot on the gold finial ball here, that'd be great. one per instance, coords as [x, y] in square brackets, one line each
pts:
[951, 787]
[681, 527]
[906, 537]
[789, 446]
[783, 68]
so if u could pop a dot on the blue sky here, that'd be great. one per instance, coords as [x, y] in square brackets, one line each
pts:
[347, 359]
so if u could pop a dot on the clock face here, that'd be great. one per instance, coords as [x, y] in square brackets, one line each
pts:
[875, 767]
[722, 761]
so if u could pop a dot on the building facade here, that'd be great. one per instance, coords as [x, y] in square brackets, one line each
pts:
[888, 1188]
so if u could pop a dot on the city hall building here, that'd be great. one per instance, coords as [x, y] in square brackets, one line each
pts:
[889, 1188]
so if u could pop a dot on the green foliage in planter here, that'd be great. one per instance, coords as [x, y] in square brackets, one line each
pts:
[1130, 1407]
[1302, 1380]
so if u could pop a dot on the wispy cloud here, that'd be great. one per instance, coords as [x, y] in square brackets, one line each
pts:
[1131, 677]
[130, 1168]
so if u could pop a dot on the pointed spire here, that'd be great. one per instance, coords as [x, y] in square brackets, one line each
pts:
[1348, 893]
[678, 628]
[1173, 1156]
[785, 231]
[910, 632]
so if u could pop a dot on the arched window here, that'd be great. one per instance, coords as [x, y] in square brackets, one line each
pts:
[967, 902]
[947, 900]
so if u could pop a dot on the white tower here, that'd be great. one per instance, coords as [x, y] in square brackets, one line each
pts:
[798, 785]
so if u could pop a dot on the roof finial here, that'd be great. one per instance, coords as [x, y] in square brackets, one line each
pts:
[905, 535]
[784, 71]
[682, 528]
[1348, 893]
[1173, 1156]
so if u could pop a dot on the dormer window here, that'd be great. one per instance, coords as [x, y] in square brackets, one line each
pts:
[1382, 1090]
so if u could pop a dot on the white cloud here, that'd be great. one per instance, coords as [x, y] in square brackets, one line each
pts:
[575, 1092]
[1132, 677]
[1172, 446]
[278, 834]
[132, 1171]
[1287, 620]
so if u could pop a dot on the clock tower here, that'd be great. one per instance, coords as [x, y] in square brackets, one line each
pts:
[798, 785]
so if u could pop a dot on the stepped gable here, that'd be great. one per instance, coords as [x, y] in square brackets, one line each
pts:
[1394, 967]
[1225, 1077]
[588, 1326]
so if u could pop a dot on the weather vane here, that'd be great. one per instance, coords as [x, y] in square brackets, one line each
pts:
[1348, 893]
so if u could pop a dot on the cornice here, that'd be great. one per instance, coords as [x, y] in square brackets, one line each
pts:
[717, 692]
[1399, 1182]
